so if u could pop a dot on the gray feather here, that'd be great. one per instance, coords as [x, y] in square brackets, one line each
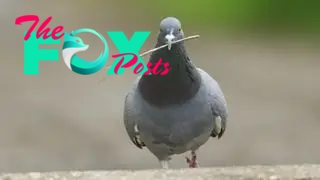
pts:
[130, 123]
[177, 128]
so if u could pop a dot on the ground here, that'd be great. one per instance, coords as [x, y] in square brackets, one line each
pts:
[301, 172]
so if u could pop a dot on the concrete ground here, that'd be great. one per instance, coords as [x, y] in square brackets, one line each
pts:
[294, 172]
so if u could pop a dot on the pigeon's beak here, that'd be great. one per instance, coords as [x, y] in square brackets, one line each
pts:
[169, 37]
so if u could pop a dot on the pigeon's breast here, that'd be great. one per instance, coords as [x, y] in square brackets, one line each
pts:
[177, 126]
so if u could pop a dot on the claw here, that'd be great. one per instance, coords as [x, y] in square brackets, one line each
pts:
[193, 161]
[188, 160]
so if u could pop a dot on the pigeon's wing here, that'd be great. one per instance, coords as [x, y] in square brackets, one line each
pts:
[219, 112]
[130, 121]
[219, 115]
[218, 104]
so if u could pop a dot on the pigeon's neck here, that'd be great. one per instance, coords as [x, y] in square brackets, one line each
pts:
[180, 84]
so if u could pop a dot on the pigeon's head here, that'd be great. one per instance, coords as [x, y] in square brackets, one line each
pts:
[170, 30]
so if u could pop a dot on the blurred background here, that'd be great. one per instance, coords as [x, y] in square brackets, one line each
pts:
[265, 55]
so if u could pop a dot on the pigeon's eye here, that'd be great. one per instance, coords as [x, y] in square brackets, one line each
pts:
[179, 30]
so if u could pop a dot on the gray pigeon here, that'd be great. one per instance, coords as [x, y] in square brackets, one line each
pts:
[177, 112]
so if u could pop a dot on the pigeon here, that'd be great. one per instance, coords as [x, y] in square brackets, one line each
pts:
[177, 112]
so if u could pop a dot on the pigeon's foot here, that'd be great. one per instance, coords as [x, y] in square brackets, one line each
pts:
[164, 164]
[193, 161]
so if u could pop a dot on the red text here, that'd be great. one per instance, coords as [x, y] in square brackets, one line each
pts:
[140, 66]
[40, 31]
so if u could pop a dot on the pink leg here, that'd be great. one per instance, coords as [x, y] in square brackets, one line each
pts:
[193, 161]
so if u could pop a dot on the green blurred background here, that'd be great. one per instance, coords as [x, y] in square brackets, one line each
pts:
[265, 55]
[263, 15]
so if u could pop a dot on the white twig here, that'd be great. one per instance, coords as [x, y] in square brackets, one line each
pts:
[152, 50]
[163, 46]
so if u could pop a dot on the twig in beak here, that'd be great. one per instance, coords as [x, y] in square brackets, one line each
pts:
[153, 50]
[163, 46]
